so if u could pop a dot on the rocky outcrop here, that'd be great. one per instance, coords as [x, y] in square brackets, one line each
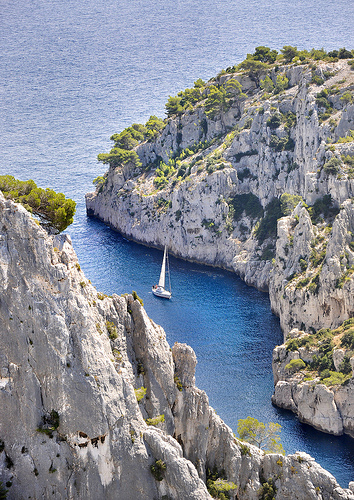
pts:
[311, 279]
[265, 147]
[93, 403]
[224, 189]
[307, 383]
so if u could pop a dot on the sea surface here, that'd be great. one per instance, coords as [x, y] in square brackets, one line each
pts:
[72, 74]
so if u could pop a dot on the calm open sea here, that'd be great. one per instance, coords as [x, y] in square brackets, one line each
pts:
[72, 74]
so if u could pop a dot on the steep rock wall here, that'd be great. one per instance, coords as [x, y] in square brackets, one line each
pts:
[192, 214]
[328, 407]
[308, 266]
[71, 425]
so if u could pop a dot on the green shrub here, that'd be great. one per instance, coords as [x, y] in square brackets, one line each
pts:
[268, 253]
[112, 330]
[136, 297]
[274, 121]
[302, 283]
[217, 484]
[53, 209]
[178, 383]
[295, 365]
[281, 84]
[185, 99]
[322, 362]
[220, 488]
[346, 276]
[248, 203]
[347, 98]
[210, 224]
[314, 285]
[288, 202]
[267, 85]
[348, 138]
[316, 257]
[323, 207]
[303, 264]
[130, 137]
[316, 79]
[322, 99]
[49, 424]
[118, 157]
[292, 345]
[344, 54]
[268, 225]
[153, 127]
[156, 420]
[140, 393]
[220, 99]
[283, 144]
[345, 366]
[265, 55]
[245, 450]
[99, 182]
[290, 120]
[334, 378]
[253, 68]
[251, 152]
[245, 174]
[163, 173]
[289, 53]
[268, 490]
[331, 167]
[348, 160]
[158, 469]
[347, 339]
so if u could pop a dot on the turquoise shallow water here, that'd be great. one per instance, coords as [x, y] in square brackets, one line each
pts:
[73, 73]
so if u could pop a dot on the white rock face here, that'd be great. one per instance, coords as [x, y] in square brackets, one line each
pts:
[192, 216]
[70, 423]
[329, 409]
[329, 303]
[309, 267]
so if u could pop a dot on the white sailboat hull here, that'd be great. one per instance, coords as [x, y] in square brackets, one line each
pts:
[161, 292]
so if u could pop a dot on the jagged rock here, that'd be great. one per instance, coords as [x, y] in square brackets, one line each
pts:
[329, 409]
[71, 425]
[309, 268]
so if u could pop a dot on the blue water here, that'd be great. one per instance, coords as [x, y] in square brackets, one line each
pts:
[72, 73]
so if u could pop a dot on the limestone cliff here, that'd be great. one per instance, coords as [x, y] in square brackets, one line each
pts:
[263, 187]
[223, 173]
[93, 403]
[313, 377]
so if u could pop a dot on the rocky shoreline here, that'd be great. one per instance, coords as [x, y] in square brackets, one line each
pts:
[264, 188]
[104, 408]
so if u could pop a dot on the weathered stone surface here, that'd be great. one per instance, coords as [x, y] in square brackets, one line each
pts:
[309, 268]
[70, 422]
[329, 409]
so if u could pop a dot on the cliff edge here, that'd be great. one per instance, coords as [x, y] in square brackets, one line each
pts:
[94, 404]
[256, 176]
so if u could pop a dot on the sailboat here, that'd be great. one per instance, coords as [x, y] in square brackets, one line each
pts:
[159, 290]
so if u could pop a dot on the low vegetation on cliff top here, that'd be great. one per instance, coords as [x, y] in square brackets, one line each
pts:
[323, 343]
[217, 97]
[54, 211]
